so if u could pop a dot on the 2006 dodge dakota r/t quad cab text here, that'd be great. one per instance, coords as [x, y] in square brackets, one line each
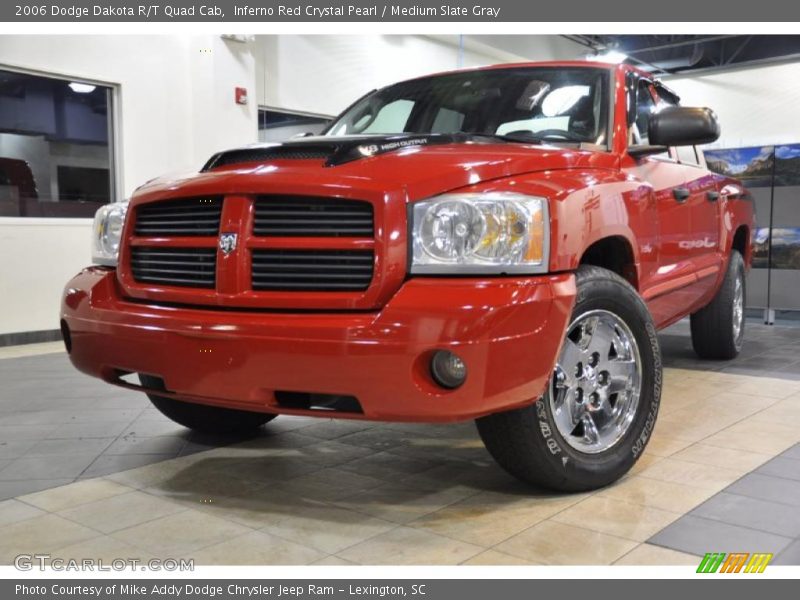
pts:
[498, 244]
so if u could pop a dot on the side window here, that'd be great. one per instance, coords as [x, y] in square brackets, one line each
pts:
[390, 119]
[645, 107]
[688, 155]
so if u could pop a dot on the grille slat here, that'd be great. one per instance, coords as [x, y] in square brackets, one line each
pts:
[264, 267]
[278, 276]
[189, 267]
[156, 262]
[316, 270]
[304, 216]
[160, 212]
[147, 253]
[186, 217]
[179, 281]
[308, 287]
[190, 272]
[316, 232]
[311, 256]
[184, 222]
[195, 232]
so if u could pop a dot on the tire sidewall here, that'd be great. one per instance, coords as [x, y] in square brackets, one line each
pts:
[737, 270]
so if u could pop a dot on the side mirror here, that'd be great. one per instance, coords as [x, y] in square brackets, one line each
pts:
[683, 126]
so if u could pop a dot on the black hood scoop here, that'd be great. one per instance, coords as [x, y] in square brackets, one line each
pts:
[334, 150]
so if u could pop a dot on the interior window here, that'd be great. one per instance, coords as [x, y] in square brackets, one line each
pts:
[562, 99]
[447, 121]
[556, 105]
[568, 111]
[280, 125]
[688, 155]
[390, 118]
[645, 107]
[55, 146]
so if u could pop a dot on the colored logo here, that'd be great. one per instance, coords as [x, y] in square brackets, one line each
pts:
[227, 243]
[735, 562]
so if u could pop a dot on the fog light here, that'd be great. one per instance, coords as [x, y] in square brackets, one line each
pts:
[447, 369]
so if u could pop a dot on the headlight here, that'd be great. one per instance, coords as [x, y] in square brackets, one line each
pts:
[492, 233]
[107, 233]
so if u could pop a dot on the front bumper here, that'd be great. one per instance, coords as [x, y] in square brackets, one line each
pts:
[508, 331]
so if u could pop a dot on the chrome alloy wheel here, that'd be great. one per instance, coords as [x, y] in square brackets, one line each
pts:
[738, 309]
[597, 382]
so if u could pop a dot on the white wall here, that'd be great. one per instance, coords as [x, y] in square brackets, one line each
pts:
[529, 47]
[325, 73]
[757, 105]
[37, 257]
[176, 107]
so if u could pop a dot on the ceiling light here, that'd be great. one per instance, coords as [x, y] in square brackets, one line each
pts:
[610, 56]
[82, 88]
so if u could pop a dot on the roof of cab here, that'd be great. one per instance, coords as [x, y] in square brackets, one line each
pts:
[533, 64]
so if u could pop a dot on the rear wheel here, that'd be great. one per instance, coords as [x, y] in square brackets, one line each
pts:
[600, 407]
[204, 418]
[718, 328]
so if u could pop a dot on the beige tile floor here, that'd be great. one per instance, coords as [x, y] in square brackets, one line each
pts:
[338, 492]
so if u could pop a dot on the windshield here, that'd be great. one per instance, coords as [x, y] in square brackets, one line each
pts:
[568, 104]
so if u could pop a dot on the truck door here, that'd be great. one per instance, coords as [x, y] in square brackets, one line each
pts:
[703, 243]
[673, 285]
[666, 176]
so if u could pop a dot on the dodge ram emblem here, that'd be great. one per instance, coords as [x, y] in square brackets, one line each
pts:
[227, 243]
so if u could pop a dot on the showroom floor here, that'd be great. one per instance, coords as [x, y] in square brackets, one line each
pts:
[89, 470]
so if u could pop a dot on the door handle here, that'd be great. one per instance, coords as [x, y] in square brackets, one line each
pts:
[680, 193]
[712, 196]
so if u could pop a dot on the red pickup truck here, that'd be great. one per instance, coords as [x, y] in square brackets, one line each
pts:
[498, 244]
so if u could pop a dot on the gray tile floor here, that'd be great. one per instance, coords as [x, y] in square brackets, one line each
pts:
[58, 425]
[761, 511]
[758, 513]
[769, 351]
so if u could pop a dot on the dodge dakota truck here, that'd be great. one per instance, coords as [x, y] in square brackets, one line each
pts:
[498, 244]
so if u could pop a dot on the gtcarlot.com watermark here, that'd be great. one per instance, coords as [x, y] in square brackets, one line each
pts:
[30, 562]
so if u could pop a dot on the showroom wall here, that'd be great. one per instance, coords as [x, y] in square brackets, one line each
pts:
[175, 107]
[292, 71]
[759, 105]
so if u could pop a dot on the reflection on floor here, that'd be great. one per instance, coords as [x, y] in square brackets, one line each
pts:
[340, 492]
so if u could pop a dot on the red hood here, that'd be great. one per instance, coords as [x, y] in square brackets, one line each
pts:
[420, 172]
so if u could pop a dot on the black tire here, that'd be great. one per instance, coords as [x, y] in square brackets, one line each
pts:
[527, 443]
[714, 334]
[205, 418]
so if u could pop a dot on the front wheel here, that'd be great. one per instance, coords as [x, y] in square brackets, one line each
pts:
[599, 409]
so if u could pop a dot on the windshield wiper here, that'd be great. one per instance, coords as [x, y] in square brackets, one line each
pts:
[519, 138]
[527, 137]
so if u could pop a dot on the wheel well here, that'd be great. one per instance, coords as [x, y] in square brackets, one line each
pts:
[740, 241]
[614, 254]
